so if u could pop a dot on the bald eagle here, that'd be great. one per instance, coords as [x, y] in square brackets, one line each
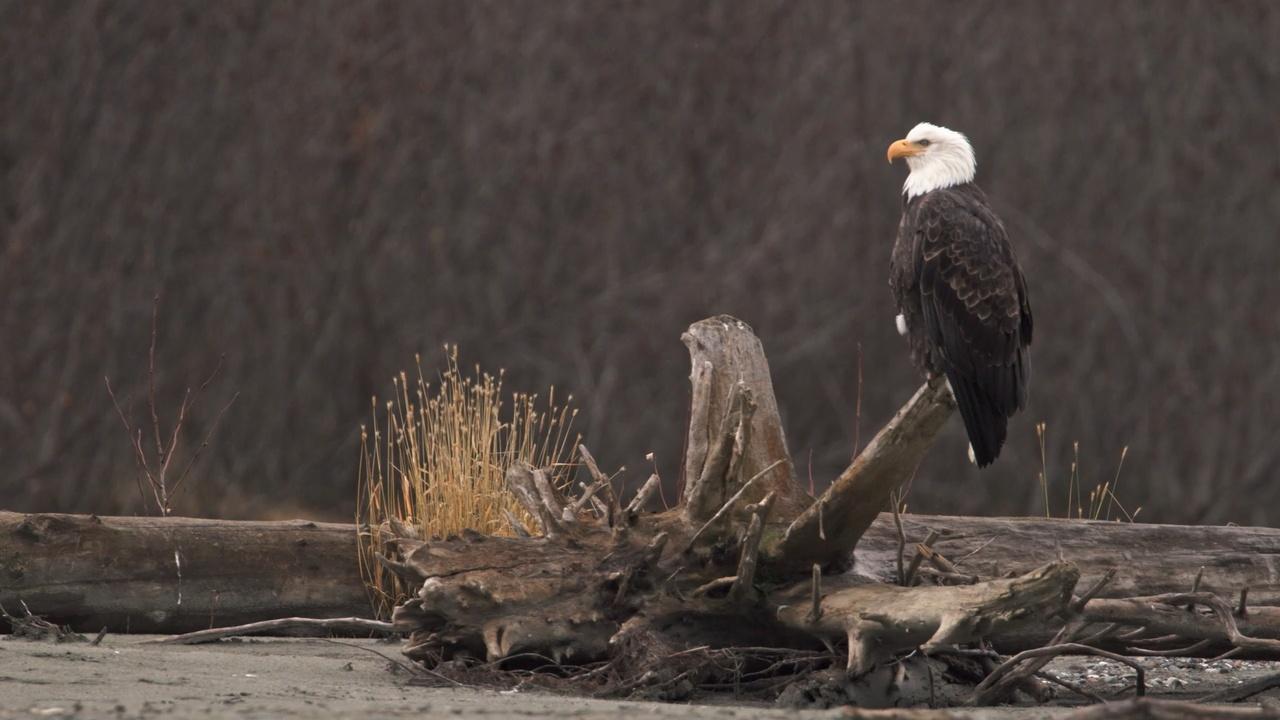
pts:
[961, 296]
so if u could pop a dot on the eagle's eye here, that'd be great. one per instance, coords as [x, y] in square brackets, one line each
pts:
[923, 143]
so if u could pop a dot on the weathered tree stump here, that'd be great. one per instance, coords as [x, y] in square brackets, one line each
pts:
[737, 563]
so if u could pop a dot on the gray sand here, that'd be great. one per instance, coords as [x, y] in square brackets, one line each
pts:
[124, 678]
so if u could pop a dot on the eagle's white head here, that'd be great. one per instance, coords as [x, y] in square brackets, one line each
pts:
[938, 158]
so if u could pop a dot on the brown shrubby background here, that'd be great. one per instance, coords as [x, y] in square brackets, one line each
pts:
[319, 190]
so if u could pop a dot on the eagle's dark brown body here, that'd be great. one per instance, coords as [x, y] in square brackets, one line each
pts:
[960, 290]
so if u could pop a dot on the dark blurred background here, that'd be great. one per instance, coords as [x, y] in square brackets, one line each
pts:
[319, 190]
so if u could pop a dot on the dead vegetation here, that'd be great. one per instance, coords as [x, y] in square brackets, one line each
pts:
[158, 479]
[29, 626]
[435, 458]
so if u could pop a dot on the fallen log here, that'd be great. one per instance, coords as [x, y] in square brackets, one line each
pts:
[1148, 559]
[169, 575]
[119, 572]
[879, 619]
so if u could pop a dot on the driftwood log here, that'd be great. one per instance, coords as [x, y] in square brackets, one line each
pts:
[91, 572]
[172, 574]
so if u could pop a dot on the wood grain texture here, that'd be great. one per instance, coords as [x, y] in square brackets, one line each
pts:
[142, 574]
[724, 352]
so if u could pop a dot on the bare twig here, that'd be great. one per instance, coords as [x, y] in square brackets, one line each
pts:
[1100, 635]
[600, 478]
[741, 440]
[151, 376]
[728, 504]
[1154, 614]
[1093, 591]
[948, 578]
[550, 498]
[915, 561]
[944, 569]
[1082, 692]
[815, 597]
[643, 495]
[902, 539]
[1191, 649]
[713, 585]
[415, 669]
[571, 511]
[719, 454]
[347, 624]
[995, 684]
[135, 439]
[217, 420]
[742, 586]
[520, 481]
[156, 471]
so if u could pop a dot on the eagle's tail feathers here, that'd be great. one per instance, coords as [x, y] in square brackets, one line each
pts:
[984, 421]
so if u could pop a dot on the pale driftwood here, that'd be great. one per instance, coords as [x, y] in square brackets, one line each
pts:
[728, 505]
[711, 486]
[743, 588]
[880, 619]
[289, 626]
[140, 574]
[1148, 559]
[1166, 615]
[1000, 679]
[614, 509]
[522, 482]
[643, 496]
[830, 528]
[491, 597]
[729, 370]
[118, 571]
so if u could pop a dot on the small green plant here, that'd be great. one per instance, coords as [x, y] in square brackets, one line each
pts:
[436, 461]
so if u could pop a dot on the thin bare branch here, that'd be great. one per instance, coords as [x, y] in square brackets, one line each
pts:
[151, 376]
[730, 503]
[743, 589]
[1001, 679]
[347, 624]
[921, 549]
[601, 479]
[644, 494]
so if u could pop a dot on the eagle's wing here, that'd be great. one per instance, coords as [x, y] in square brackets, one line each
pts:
[976, 315]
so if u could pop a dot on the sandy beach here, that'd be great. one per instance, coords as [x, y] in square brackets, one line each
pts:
[127, 677]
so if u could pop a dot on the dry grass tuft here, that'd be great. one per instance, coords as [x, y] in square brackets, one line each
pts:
[437, 459]
[1101, 498]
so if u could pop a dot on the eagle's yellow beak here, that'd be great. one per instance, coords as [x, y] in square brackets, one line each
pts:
[903, 149]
